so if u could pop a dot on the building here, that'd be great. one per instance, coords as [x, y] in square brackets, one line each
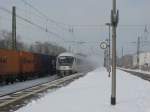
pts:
[126, 61]
[144, 60]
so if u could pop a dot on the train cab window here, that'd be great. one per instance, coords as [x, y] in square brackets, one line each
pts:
[65, 60]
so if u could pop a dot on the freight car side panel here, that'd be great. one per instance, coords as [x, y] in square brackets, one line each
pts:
[9, 62]
[26, 62]
[45, 64]
[37, 63]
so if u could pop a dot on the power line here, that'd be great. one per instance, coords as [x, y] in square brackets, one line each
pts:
[60, 24]
[46, 22]
[131, 25]
[103, 25]
[32, 23]
[82, 42]
[25, 11]
[45, 16]
[81, 25]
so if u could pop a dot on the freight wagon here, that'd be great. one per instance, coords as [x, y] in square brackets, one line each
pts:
[20, 65]
[9, 65]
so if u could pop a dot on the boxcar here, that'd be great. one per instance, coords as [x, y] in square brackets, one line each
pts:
[9, 65]
[37, 63]
[26, 65]
[19, 65]
[46, 62]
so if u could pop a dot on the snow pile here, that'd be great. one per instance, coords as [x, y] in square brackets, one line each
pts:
[92, 94]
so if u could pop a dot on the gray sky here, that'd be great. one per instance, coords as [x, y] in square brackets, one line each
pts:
[79, 12]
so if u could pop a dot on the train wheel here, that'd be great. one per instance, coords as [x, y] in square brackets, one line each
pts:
[7, 81]
[62, 75]
[12, 81]
[24, 78]
[20, 78]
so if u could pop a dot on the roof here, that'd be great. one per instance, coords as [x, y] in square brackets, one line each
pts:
[66, 54]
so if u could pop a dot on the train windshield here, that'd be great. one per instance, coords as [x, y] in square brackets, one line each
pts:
[66, 60]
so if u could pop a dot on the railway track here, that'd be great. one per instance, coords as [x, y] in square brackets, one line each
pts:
[8, 89]
[143, 75]
[14, 97]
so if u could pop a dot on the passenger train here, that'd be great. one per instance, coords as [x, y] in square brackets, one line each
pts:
[69, 63]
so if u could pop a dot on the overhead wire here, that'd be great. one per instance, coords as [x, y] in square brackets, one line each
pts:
[34, 24]
[55, 34]
[46, 22]
[103, 25]
[59, 24]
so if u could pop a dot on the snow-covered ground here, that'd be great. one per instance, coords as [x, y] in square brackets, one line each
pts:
[22, 85]
[92, 94]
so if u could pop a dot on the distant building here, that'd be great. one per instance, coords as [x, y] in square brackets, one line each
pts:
[144, 60]
[127, 61]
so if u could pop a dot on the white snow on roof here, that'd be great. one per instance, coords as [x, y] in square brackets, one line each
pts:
[66, 54]
[92, 94]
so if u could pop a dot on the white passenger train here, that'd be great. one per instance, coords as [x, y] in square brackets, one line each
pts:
[68, 63]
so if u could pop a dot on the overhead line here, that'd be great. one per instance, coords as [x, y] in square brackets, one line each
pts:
[82, 42]
[45, 16]
[103, 25]
[73, 26]
[69, 25]
[32, 23]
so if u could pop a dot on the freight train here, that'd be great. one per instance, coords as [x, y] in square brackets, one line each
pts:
[21, 65]
[68, 63]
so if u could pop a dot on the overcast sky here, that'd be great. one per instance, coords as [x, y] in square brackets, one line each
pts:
[134, 14]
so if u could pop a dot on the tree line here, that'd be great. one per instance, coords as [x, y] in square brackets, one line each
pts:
[36, 47]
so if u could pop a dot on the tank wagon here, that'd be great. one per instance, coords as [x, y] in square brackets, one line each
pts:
[20, 65]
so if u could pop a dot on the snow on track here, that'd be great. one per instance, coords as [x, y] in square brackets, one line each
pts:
[92, 94]
[23, 85]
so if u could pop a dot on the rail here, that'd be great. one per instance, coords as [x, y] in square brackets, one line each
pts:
[22, 94]
[142, 74]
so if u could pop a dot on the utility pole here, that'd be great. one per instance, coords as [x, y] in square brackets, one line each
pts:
[138, 51]
[105, 53]
[104, 46]
[146, 33]
[114, 22]
[14, 47]
[109, 60]
[122, 51]
[122, 57]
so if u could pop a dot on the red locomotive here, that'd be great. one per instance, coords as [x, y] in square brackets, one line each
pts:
[20, 65]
